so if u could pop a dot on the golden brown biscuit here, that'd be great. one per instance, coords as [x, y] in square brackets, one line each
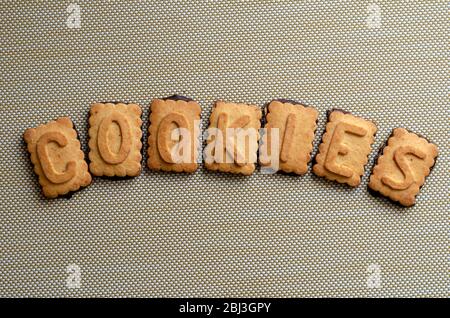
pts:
[233, 136]
[296, 125]
[345, 148]
[402, 167]
[115, 140]
[170, 149]
[57, 157]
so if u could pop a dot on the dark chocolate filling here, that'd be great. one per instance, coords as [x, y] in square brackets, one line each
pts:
[329, 111]
[286, 100]
[178, 97]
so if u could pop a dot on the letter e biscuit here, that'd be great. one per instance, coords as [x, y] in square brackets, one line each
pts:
[346, 145]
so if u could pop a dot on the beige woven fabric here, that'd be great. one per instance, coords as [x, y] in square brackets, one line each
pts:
[212, 234]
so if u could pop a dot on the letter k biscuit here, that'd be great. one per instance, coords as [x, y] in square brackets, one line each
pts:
[233, 136]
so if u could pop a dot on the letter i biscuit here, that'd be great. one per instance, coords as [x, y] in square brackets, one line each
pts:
[402, 167]
[346, 145]
[174, 134]
[233, 136]
[289, 133]
[115, 140]
[57, 157]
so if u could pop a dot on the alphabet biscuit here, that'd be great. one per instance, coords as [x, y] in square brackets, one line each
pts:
[57, 157]
[296, 125]
[345, 147]
[402, 167]
[233, 136]
[115, 140]
[174, 134]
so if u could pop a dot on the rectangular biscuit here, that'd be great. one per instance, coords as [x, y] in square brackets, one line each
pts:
[294, 126]
[115, 139]
[402, 166]
[57, 157]
[174, 133]
[233, 136]
[346, 145]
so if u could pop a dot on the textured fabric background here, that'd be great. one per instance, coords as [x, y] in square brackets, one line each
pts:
[212, 234]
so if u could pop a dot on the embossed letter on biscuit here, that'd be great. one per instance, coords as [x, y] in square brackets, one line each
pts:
[181, 151]
[125, 138]
[338, 148]
[46, 163]
[231, 147]
[346, 145]
[288, 137]
[233, 136]
[115, 139]
[57, 157]
[174, 134]
[402, 167]
[402, 163]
